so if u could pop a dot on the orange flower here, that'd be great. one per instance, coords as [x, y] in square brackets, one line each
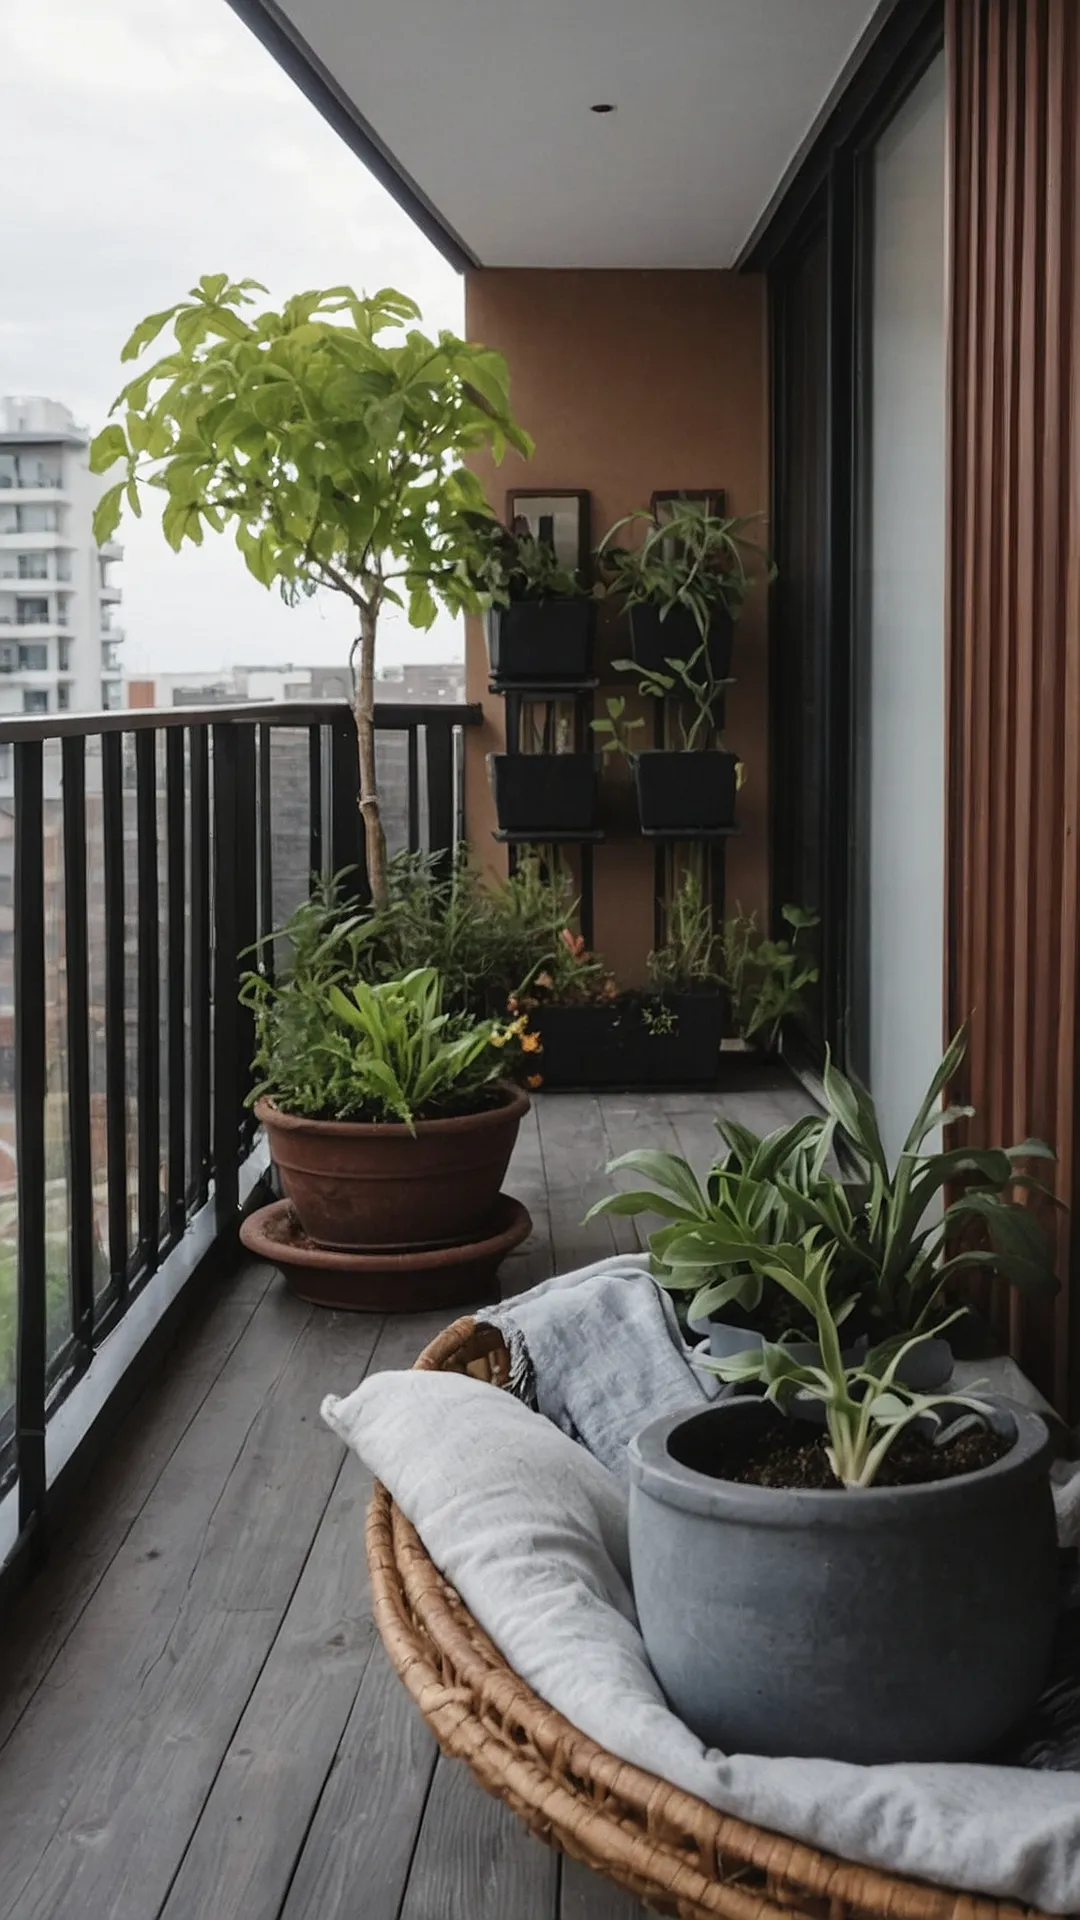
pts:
[535, 1080]
[531, 1043]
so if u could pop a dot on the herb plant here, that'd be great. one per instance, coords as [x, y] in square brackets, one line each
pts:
[506, 567]
[691, 559]
[389, 1052]
[766, 979]
[331, 439]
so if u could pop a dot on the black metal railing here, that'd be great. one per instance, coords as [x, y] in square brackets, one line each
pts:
[141, 854]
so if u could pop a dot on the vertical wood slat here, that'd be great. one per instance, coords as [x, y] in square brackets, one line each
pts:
[1013, 960]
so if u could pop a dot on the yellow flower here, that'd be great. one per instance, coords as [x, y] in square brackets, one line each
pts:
[531, 1043]
[499, 1039]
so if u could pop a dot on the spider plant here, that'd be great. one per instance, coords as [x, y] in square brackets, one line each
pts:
[698, 561]
[866, 1407]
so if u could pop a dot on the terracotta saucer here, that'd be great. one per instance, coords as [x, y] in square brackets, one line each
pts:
[386, 1282]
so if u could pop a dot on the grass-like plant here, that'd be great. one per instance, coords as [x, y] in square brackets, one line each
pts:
[867, 1409]
[699, 561]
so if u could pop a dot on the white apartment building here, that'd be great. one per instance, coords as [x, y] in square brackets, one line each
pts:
[59, 632]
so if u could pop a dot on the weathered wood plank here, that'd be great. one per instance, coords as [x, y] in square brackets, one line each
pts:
[104, 1659]
[585, 1895]
[199, 1657]
[633, 1121]
[575, 1149]
[526, 1180]
[356, 1857]
[122, 1482]
[474, 1857]
[252, 1827]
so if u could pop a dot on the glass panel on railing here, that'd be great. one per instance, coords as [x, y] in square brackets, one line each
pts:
[57, 1212]
[96, 948]
[9, 1211]
[289, 820]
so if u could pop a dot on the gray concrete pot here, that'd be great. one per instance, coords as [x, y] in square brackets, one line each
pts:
[910, 1623]
[924, 1369]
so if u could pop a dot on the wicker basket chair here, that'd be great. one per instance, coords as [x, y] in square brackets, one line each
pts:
[673, 1851]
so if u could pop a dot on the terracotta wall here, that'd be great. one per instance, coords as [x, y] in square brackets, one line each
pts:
[631, 382]
[1014, 611]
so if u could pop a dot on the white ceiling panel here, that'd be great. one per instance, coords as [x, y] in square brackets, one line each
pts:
[484, 105]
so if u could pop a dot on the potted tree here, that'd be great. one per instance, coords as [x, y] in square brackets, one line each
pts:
[875, 1584]
[684, 585]
[330, 438]
[538, 618]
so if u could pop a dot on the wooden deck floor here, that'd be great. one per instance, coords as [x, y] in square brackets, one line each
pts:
[196, 1719]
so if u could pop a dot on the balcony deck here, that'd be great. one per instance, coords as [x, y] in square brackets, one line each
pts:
[196, 1719]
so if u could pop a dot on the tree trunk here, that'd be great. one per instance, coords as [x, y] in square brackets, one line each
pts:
[364, 716]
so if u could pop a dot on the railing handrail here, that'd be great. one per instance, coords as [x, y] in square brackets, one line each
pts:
[285, 713]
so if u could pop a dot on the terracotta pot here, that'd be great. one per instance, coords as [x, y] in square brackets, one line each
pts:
[360, 1186]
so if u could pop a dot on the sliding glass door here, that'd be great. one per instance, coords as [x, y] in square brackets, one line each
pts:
[898, 824]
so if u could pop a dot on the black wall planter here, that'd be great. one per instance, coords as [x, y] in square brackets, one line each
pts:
[654, 641]
[694, 792]
[545, 792]
[539, 642]
[610, 1045]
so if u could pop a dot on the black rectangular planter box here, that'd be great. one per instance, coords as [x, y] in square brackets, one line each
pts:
[545, 792]
[541, 642]
[655, 641]
[685, 792]
[610, 1045]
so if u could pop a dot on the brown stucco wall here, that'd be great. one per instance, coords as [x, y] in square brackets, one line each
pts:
[630, 382]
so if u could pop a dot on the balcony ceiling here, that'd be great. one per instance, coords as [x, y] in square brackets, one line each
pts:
[481, 108]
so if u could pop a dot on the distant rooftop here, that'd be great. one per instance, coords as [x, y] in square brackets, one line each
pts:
[30, 417]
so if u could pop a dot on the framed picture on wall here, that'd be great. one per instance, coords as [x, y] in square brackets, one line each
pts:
[710, 499]
[559, 516]
[706, 499]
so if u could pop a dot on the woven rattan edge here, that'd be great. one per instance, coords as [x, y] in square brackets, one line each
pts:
[664, 1845]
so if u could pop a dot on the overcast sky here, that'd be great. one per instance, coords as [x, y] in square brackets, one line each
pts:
[145, 142]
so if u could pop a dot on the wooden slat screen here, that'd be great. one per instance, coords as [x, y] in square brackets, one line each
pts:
[1014, 604]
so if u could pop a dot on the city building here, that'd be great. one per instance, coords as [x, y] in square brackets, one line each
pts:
[59, 620]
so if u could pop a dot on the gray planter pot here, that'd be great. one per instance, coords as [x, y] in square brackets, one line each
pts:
[924, 1370]
[911, 1623]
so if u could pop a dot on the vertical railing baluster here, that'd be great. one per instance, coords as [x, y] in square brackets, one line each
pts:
[226, 1138]
[30, 1064]
[176, 953]
[247, 925]
[440, 789]
[77, 979]
[266, 850]
[112, 811]
[148, 1003]
[346, 824]
[201, 979]
[315, 802]
[413, 788]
